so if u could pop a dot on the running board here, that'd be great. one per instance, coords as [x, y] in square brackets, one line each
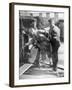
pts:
[24, 68]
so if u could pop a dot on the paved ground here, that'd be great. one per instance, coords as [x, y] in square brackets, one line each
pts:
[29, 71]
[41, 72]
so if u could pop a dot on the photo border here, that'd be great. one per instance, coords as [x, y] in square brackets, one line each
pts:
[11, 43]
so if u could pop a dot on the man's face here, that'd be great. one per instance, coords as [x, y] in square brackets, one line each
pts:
[51, 22]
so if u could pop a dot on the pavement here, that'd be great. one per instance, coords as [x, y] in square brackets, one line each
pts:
[43, 71]
[30, 71]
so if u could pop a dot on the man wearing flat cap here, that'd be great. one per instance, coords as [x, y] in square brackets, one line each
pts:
[54, 33]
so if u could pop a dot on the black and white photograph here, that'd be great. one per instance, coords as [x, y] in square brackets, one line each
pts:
[41, 45]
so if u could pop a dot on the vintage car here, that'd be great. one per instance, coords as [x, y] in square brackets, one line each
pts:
[42, 41]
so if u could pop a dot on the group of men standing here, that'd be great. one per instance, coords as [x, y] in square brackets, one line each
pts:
[46, 40]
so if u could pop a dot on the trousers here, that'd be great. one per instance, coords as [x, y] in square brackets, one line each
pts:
[55, 46]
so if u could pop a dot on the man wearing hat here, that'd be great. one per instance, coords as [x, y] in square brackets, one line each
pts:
[54, 33]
